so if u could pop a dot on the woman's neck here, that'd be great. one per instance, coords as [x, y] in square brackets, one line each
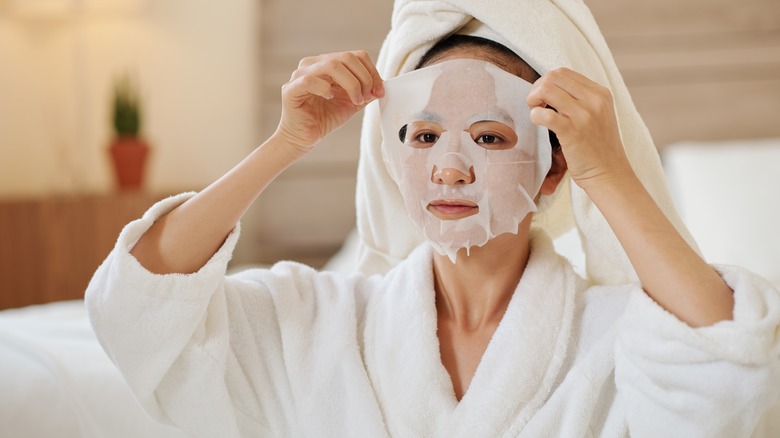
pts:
[475, 292]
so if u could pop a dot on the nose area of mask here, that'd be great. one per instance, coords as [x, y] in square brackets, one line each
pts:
[454, 161]
[453, 152]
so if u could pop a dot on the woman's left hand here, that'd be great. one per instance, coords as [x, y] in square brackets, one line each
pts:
[669, 269]
[581, 114]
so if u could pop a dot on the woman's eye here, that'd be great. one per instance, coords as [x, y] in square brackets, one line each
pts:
[493, 135]
[488, 139]
[422, 134]
[427, 137]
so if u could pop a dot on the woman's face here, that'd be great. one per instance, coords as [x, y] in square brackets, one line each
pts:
[459, 143]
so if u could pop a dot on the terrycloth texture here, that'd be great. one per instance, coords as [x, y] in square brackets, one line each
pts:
[546, 34]
[293, 352]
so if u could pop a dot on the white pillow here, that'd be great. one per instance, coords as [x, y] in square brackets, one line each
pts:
[728, 194]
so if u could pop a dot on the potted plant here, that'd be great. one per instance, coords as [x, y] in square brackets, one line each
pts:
[129, 151]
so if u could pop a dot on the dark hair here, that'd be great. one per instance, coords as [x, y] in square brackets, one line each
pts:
[493, 52]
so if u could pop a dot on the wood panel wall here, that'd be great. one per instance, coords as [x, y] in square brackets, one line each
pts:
[697, 69]
[308, 211]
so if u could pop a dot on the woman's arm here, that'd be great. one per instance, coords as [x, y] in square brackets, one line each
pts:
[322, 94]
[669, 269]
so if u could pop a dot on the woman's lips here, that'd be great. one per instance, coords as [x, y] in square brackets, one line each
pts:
[452, 209]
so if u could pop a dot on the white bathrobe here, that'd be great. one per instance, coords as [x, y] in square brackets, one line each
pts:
[294, 352]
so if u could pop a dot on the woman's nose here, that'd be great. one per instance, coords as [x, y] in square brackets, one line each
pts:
[453, 169]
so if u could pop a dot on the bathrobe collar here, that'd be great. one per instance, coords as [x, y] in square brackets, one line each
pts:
[515, 374]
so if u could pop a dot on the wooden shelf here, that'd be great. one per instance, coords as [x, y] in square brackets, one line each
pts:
[50, 247]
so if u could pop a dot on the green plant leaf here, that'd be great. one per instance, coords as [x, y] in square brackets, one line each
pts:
[127, 108]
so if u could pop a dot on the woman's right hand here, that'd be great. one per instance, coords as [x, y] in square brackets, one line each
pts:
[323, 94]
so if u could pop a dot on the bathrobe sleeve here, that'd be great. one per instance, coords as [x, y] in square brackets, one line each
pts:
[713, 381]
[226, 356]
[165, 332]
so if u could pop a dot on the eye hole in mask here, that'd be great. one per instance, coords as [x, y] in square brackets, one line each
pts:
[488, 134]
[493, 135]
[402, 134]
[422, 134]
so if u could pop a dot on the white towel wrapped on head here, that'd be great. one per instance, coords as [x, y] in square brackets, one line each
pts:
[547, 35]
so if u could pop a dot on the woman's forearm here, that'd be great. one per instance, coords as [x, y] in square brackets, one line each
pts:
[671, 272]
[183, 240]
[669, 269]
[322, 94]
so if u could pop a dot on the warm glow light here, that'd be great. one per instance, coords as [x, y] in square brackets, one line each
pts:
[56, 9]
[41, 8]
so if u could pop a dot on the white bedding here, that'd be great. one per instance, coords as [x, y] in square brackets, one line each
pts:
[56, 381]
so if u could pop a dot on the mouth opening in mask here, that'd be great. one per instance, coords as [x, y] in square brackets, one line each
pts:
[452, 209]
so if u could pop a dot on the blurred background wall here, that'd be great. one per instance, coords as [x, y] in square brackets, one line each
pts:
[197, 65]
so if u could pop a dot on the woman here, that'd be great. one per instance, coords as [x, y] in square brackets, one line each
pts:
[504, 340]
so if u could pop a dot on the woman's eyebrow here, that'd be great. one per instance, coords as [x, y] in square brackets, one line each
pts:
[496, 116]
[428, 117]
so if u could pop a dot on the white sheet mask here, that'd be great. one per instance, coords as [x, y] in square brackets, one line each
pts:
[460, 132]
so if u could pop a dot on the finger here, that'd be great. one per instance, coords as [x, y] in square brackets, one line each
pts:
[332, 70]
[377, 90]
[578, 85]
[342, 77]
[563, 72]
[549, 118]
[309, 61]
[356, 66]
[546, 93]
[304, 66]
[596, 99]
[298, 90]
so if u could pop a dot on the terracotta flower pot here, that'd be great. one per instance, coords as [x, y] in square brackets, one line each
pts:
[129, 155]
